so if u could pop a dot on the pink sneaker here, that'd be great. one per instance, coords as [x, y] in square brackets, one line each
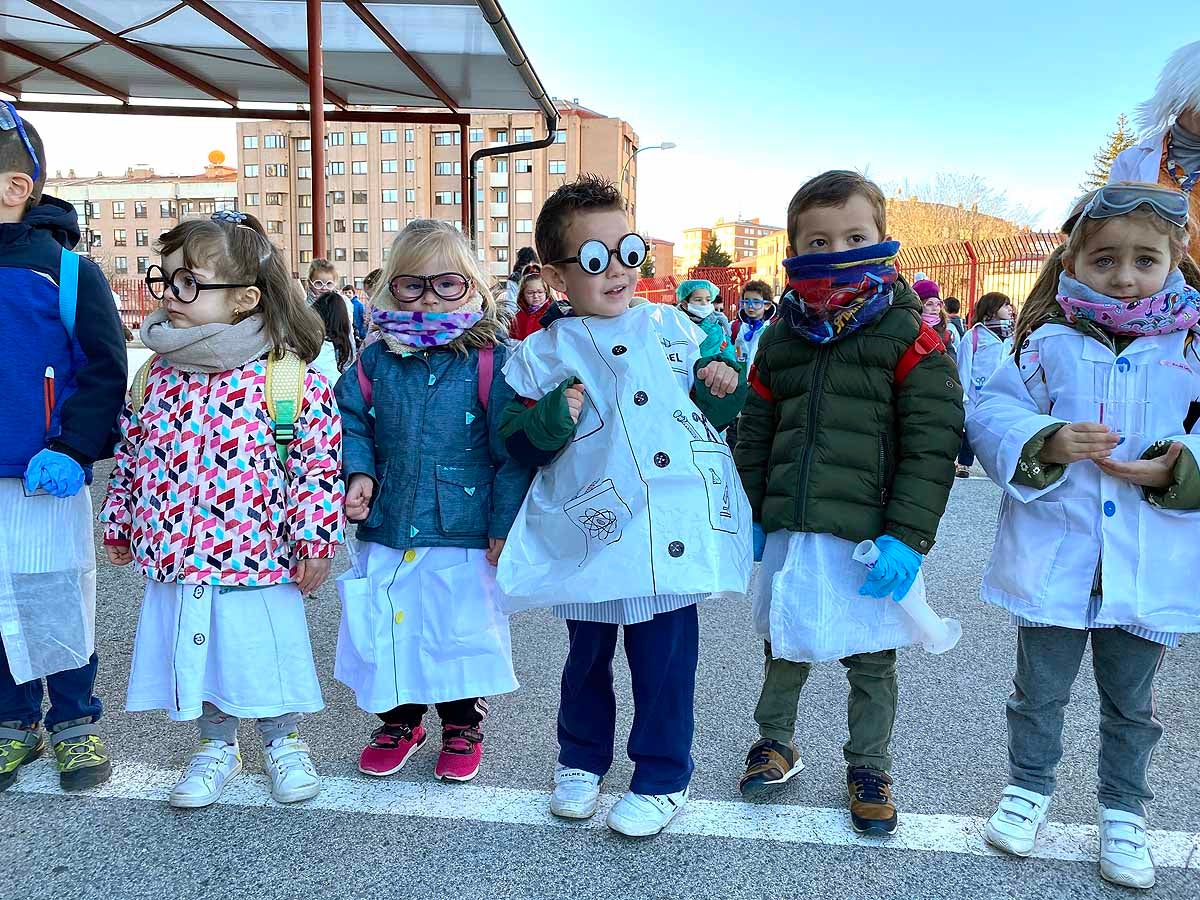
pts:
[462, 751]
[389, 749]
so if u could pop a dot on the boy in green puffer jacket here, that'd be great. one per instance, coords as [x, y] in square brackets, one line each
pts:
[850, 434]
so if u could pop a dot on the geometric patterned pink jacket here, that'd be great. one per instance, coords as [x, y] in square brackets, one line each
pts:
[199, 493]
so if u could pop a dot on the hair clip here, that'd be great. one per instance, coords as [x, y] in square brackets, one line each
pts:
[229, 216]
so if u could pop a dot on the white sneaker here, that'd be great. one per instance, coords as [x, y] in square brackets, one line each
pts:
[290, 768]
[1014, 826]
[576, 793]
[1125, 849]
[209, 770]
[642, 815]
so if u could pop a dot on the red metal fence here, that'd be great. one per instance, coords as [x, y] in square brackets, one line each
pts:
[657, 290]
[134, 303]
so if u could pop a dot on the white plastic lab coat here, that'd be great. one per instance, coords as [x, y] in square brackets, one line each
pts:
[979, 355]
[645, 499]
[1050, 541]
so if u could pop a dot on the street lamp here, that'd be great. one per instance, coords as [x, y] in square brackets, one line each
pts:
[665, 145]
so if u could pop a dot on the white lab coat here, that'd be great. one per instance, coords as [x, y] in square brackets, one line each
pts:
[1141, 162]
[645, 500]
[979, 355]
[1050, 541]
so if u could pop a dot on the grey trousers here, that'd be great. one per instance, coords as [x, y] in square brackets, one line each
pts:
[216, 726]
[1048, 661]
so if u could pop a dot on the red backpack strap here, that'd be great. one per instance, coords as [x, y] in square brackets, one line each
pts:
[485, 366]
[364, 383]
[758, 387]
[927, 342]
[737, 326]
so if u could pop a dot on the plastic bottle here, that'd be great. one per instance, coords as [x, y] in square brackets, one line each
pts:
[937, 634]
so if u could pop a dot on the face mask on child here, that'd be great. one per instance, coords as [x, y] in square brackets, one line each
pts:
[700, 310]
[425, 329]
[933, 320]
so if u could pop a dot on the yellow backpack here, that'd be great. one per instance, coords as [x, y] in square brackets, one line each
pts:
[285, 394]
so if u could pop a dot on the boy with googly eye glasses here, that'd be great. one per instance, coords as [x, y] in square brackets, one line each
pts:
[636, 512]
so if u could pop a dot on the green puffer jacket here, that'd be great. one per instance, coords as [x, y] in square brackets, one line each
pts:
[834, 447]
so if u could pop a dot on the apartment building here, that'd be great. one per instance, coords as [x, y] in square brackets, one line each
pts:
[381, 176]
[739, 237]
[663, 254]
[693, 244]
[121, 216]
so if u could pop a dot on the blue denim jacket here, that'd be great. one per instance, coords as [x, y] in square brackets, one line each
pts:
[443, 477]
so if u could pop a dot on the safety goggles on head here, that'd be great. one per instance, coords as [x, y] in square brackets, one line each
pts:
[10, 119]
[446, 286]
[1121, 199]
[182, 283]
[595, 256]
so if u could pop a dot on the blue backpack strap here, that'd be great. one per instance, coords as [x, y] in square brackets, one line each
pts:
[68, 289]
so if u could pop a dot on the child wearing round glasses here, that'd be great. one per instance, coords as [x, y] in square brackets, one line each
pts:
[636, 513]
[232, 518]
[1083, 428]
[434, 493]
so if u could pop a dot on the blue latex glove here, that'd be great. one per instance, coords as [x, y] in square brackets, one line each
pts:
[56, 472]
[895, 570]
[760, 541]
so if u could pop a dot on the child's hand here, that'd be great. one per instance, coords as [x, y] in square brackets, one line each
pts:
[720, 378]
[311, 574]
[358, 497]
[495, 548]
[1079, 441]
[574, 397]
[1151, 473]
[119, 556]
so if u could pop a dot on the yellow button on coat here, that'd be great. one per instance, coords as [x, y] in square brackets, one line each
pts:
[399, 616]
[410, 555]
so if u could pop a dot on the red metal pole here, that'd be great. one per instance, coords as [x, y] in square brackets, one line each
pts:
[316, 125]
[973, 278]
[465, 182]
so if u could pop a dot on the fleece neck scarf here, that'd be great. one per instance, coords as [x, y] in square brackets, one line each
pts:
[208, 349]
[406, 331]
[1175, 308]
[832, 295]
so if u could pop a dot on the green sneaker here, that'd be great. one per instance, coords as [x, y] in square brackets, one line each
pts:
[17, 747]
[83, 761]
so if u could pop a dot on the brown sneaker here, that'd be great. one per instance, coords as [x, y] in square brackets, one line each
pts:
[769, 765]
[871, 808]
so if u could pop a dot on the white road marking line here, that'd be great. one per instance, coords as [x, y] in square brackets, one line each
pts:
[782, 823]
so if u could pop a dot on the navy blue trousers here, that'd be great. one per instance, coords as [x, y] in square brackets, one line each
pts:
[662, 665]
[70, 692]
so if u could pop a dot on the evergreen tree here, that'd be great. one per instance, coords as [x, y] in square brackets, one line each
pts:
[713, 255]
[1121, 139]
[648, 266]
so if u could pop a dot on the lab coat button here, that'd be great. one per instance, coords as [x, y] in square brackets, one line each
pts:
[662, 460]
[640, 398]
[675, 548]
[619, 349]
[1110, 508]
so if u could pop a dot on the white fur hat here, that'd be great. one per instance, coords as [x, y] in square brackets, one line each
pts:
[1178, 89]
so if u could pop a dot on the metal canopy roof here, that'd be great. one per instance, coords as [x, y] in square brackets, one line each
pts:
[437, 54]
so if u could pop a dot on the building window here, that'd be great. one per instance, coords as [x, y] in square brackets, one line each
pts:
[118, 209]
[358, 138]
[476, 136]
[143, 264]
[410, 195]
[274, 141]
[446, 138]
[391, 224]
[121, 265]
[391, 195]
[274, 226]
[335, 168]
[335, 198]
[119, 238]
[523, 166]
[501, 167]
[304, 173]
[558, 167]
[500, 226]
[502, 254]
[250, 170]
[139, 209]
[339, 226]
[250, 142]
[360, 255]
[500, 196]
[339, 254]
[410, 165]
[304, 145]
[304, 228]
[388, 166]
[387, 136]
[409, 135]
[358, 196]
[336, 139]
[305, 256]
[387, 252]
[360, 226]
[358, 283]
[97, 239]
[524, 226]
[457, 202]
[252, 199]
[500, 136]
[358, 167]
[275, 199]
[560, 136]
[444, 198]
[277, 170]
[142, 236]
[303, 200]
[447, 168]
[523, 135]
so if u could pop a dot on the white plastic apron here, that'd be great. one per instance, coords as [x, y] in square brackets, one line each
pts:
[421, 626]
[47, 581]
[645, 500]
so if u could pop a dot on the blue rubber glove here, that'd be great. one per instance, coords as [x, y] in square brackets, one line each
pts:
[760, 541]
[56, 472]
[895, 570]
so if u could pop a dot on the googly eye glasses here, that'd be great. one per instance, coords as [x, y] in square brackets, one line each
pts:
[595, 256]
[446, 286]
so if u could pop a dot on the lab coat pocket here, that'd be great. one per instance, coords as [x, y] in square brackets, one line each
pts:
[1028, 542]
[360, 616]
[464, 499]
[715, 464]
[459, 611]
[1165, 583]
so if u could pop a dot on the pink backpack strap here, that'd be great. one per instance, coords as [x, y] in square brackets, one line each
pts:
[485, 366]
[975, 339]
[364, 383]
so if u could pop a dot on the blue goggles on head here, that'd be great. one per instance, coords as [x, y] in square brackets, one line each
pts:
[1119, 199]
[10, 119]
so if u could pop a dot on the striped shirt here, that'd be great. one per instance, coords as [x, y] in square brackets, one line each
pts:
[630, 611]
[1168, 639]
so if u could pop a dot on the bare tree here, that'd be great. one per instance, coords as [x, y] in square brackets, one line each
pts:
[953, 207]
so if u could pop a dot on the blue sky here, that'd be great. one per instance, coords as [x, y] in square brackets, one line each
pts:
[1021, 93]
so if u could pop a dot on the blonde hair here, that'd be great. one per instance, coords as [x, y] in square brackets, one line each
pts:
[1042, 303]
[528, 280]
[421, 242]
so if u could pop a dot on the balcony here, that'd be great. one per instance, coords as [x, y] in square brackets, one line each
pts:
[498, 179]
[498, 239]
[498, 268]
[498, 210]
